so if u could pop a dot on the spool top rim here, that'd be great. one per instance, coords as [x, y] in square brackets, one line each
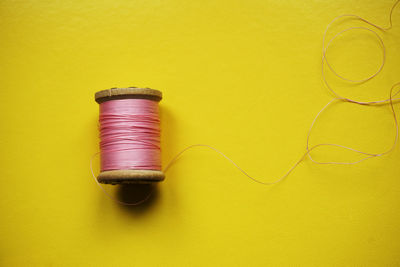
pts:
[129, 92]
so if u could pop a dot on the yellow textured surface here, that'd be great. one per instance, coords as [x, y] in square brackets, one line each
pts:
[243, 76]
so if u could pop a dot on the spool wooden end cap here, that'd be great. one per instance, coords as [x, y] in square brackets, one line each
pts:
[125, 93]
[129, 176]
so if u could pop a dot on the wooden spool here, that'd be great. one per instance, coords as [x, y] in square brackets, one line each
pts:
[129, 176]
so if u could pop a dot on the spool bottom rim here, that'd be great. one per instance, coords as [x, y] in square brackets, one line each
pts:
[130, 176]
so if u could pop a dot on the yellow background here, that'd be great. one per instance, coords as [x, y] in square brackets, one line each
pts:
[243, 76]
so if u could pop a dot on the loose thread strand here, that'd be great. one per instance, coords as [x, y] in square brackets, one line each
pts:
[338, 97]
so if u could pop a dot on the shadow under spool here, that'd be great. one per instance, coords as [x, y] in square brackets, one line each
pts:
[136, 175]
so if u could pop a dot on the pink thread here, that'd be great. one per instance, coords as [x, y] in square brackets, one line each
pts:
[130, 135]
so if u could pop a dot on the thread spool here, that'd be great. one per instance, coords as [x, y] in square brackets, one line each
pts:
[129, 176]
